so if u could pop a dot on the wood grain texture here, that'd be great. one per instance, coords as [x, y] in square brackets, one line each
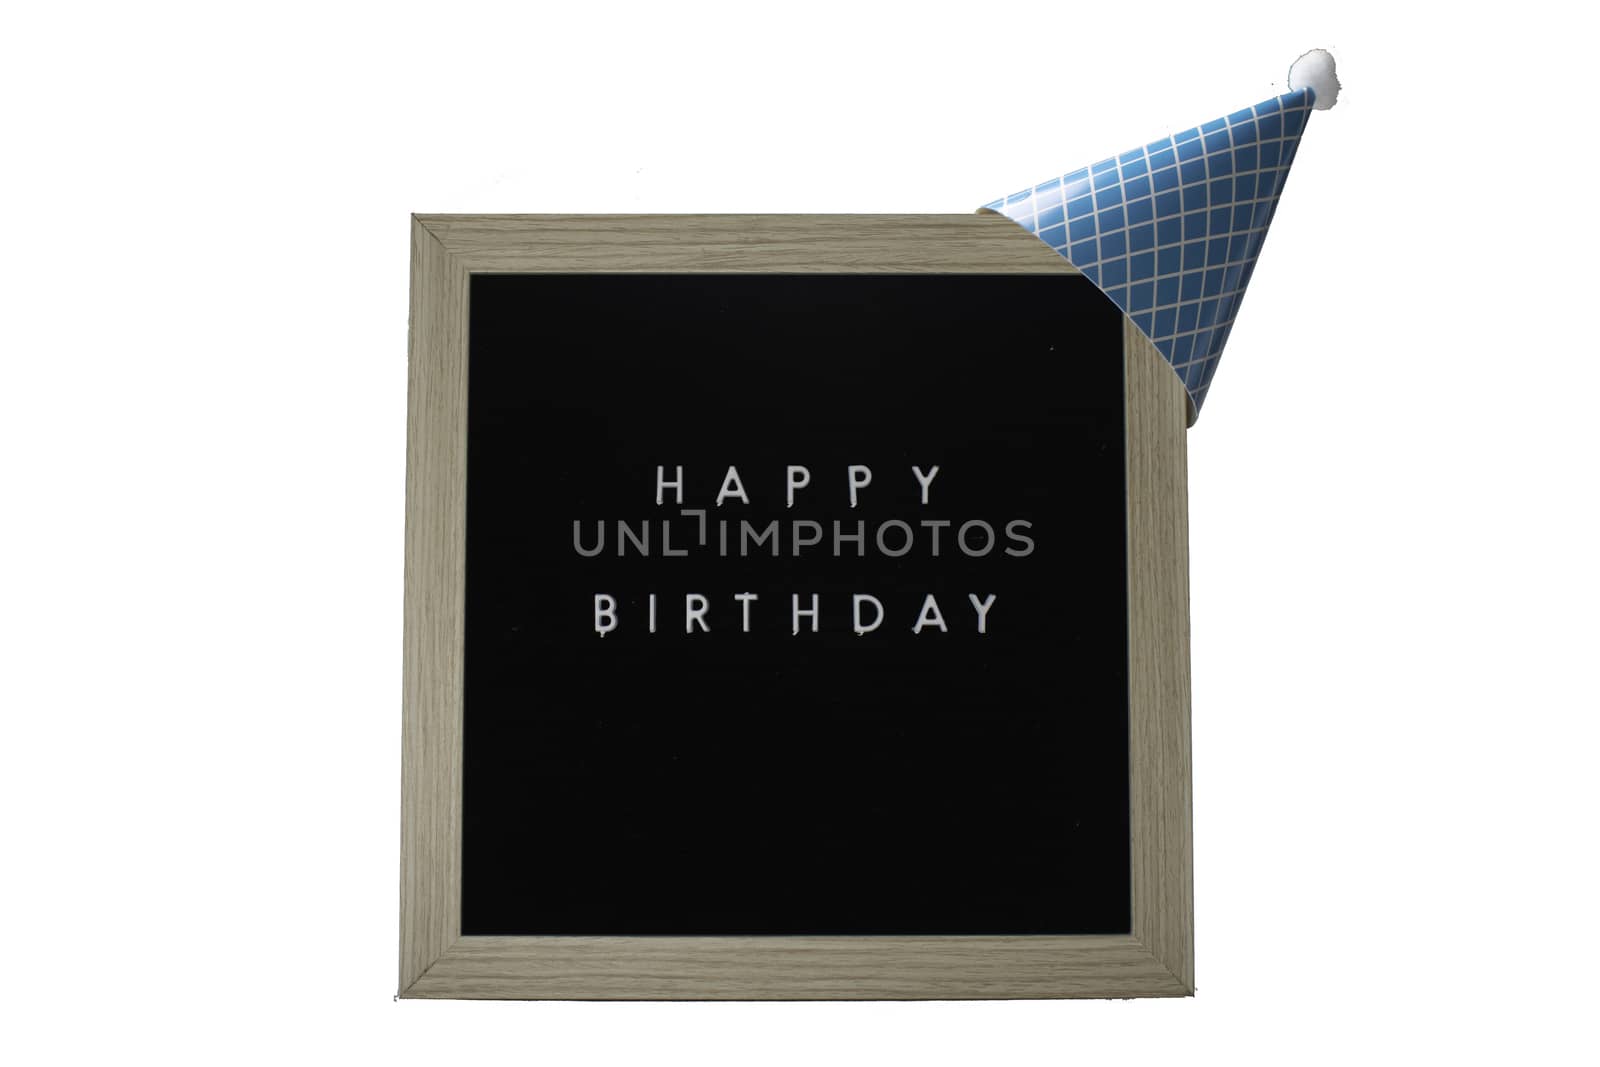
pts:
[436, 510]
[1158, 656]
[810, 244]
[1156, 959]
[796, 968]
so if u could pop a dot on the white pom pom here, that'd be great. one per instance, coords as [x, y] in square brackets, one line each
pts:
[1314, 71]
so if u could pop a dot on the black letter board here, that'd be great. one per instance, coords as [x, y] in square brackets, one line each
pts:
[750, 767]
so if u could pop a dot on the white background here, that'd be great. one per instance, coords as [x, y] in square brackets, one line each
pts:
[203, 299]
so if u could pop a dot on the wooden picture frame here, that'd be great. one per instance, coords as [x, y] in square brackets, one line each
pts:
[1155, 959]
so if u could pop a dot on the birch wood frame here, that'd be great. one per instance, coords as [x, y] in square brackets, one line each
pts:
[1156, 959]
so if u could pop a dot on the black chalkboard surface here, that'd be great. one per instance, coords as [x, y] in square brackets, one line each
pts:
[747, 766]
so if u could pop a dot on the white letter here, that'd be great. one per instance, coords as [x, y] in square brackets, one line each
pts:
[745, 599]
[981, 609]
[652, 613]
[800, 482]
[925, 480]
[860, 478]
[732, 479]
[798, 613]
[663, 484]
[930, 616]
[694, 611]
[605, 614]
[859, 599]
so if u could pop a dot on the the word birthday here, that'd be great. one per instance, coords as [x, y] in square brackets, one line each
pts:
[866, 613]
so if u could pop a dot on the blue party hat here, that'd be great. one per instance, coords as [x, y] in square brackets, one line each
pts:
[1171, 231]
